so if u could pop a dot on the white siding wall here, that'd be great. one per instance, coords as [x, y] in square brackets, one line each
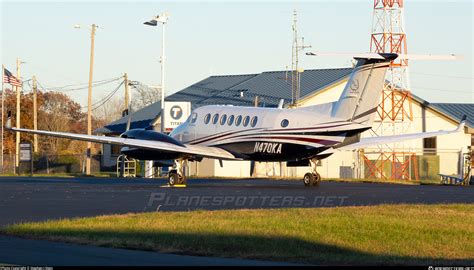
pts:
[211, 168]
[331, 94]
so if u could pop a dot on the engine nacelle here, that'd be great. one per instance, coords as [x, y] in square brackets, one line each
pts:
[150, 135]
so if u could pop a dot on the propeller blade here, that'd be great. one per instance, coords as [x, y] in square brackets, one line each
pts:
[252, 168]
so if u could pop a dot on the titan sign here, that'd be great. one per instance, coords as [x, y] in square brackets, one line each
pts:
[176, 113]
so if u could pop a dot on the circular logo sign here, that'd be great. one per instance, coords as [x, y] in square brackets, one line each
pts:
[355, 84]
[176, 112]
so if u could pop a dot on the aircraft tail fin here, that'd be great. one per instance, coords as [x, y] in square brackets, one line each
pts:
[361, 95]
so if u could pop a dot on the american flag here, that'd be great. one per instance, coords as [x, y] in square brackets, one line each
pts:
[9, 78]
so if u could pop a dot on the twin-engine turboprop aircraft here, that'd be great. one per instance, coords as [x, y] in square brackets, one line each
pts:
[299, 136]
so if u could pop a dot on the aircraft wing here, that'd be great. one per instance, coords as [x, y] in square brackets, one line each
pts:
[202, 151]
[370, 141]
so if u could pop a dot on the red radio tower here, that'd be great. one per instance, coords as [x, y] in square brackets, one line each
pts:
[395, 109]
[388, 36]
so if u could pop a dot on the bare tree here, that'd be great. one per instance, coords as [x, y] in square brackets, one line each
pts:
[59, 112]
[111, 110]
[144, 95]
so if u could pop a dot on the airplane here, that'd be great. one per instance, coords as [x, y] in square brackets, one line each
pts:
[299, 136]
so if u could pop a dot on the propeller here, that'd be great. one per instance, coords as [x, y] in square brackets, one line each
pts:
[252, 167]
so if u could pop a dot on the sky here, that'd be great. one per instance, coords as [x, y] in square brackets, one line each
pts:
[205, 38]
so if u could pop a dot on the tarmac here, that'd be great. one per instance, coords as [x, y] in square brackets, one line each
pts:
[24, 199]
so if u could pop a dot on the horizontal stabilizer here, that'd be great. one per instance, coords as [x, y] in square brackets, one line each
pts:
[372, 141]
[386, 55]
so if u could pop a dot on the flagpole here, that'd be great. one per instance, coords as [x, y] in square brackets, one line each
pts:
[3, 94]
[18, 117]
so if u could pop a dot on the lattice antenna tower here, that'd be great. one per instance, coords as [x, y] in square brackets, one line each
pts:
[388, 36]
[296, 48]
[395, 108]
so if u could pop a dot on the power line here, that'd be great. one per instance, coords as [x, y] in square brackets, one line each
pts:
[442, 75]
[99, 103]
[82, 85]
[444, 90]
[106, 98]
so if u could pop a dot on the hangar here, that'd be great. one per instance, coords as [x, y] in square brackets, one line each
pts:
[441, 155]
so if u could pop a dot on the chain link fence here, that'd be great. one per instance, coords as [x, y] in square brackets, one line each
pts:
[55, 164]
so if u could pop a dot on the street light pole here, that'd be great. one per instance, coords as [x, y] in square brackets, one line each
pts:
[163, 79]
[89, 97]
[162, 18]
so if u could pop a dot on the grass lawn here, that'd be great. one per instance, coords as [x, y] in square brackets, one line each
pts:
[375, 235]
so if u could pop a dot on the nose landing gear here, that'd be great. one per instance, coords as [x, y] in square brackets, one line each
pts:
[176, 175]
[312, 178]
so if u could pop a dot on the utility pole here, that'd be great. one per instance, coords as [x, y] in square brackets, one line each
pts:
[127, 101]
[17, 144]
[35, 116]
[89, 102]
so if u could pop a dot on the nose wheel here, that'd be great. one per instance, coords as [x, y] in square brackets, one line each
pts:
[176, 176]
[312, 178]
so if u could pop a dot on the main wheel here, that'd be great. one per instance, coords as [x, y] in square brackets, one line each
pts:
[181, 180]
[317, 179]
[308, 179]
[173, 178]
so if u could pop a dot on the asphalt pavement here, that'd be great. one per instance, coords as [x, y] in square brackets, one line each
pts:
[25, 199]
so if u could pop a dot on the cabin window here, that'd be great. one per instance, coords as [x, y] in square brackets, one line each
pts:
[223, 119]
[215, 118]
[254, 121]
[246, 120]
[207, 118]
[230, 121]
[284, 123]
[238, 120]
[194, 117]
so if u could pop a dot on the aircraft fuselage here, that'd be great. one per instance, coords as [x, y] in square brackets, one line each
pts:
[255, 133]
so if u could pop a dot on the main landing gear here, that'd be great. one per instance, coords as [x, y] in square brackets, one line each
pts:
[176, 175]
[312, 178]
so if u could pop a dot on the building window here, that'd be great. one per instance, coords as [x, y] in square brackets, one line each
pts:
[207, 118]
[253, 123]
[284, 123]
[230, 121]
[223, 119]
[194, 117]
[238, 120]
[215, 118]
[429, 146]
[246, 121]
